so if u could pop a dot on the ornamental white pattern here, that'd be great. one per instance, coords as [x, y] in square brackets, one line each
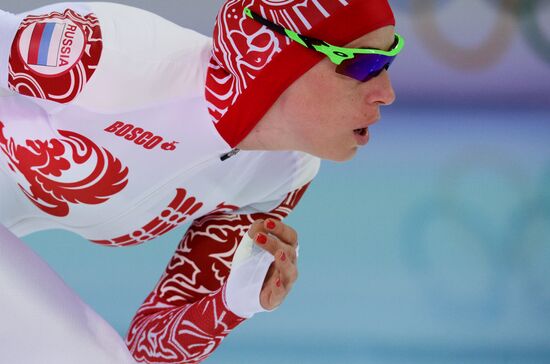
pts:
[185, 318]
[242, 48]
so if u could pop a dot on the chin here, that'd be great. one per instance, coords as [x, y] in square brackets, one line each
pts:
[340, 156]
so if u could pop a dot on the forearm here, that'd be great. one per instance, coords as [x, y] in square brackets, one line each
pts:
[186, 316]
[180, 334]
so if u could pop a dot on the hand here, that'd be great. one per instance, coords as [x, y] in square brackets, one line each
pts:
[281, 242]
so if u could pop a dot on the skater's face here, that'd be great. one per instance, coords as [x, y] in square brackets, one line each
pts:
[327, 114]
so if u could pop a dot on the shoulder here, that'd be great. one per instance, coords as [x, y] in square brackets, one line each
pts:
[268, 178]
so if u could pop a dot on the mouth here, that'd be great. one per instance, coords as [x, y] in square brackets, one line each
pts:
[361, 135]
[361, 131]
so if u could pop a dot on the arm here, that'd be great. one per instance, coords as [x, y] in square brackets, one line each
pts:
[50, 53]
[101, 56]
[186, 316]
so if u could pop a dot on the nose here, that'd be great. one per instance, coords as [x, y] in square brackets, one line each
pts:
[380, 90]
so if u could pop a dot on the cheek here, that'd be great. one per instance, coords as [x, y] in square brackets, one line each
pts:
[320, 94]
[319, 105]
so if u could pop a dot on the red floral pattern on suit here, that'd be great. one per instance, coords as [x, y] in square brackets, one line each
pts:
[185, 318]
[53, 56]
[45, 164]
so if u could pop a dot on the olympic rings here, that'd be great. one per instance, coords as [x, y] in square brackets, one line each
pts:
[483, 300]
[481, 56]
[520, 250]
[532, 31]
[493, 48]
[478, 161]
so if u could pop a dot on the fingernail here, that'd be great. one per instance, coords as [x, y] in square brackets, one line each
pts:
[270, 225]
[283, 257]
[261, 238]
[278, 282]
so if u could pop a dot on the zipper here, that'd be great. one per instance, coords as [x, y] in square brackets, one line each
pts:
[229, 154]
[88, 231]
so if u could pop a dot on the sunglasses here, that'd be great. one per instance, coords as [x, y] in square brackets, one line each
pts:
[361, 64]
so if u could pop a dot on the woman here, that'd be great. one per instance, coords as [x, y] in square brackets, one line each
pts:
[119, 126]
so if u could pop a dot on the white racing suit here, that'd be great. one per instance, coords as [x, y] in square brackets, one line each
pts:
[105, 132]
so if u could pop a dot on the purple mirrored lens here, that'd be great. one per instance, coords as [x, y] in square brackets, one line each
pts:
[363, 67]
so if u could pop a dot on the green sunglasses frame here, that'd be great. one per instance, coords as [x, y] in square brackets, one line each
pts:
[336, 54]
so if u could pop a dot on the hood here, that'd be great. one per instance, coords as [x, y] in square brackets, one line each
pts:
[251, 66]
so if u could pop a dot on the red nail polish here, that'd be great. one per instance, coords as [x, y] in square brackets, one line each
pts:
[270, 225]
[261, 239]
[283, 256]
[278, 282]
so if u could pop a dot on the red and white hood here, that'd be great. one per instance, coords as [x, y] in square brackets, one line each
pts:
[251, 65]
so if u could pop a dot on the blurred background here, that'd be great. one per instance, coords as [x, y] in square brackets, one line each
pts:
[433, 244]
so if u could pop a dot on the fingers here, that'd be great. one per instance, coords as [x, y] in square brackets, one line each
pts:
[281, 241]
[256, 227]
[281, 277]
[269, 274]
[281, 230]
[272, 235]
[273, 294]
[273, 244]
[267, 295]
[287, 269]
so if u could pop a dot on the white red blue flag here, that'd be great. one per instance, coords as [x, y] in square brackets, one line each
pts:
[45, 43]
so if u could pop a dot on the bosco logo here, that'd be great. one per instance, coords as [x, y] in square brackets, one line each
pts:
[52, 47]
[140, 136]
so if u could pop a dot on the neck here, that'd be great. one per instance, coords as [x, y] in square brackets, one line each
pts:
[269, 134]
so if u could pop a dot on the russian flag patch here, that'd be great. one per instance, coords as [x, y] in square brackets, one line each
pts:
[45, 44]
[54, 55]
[51, 46]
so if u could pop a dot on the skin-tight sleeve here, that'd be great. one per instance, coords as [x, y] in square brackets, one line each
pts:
[186, 316]
[100, 56]
[49, 53]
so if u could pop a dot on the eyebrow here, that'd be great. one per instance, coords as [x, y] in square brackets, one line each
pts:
[378, 49]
